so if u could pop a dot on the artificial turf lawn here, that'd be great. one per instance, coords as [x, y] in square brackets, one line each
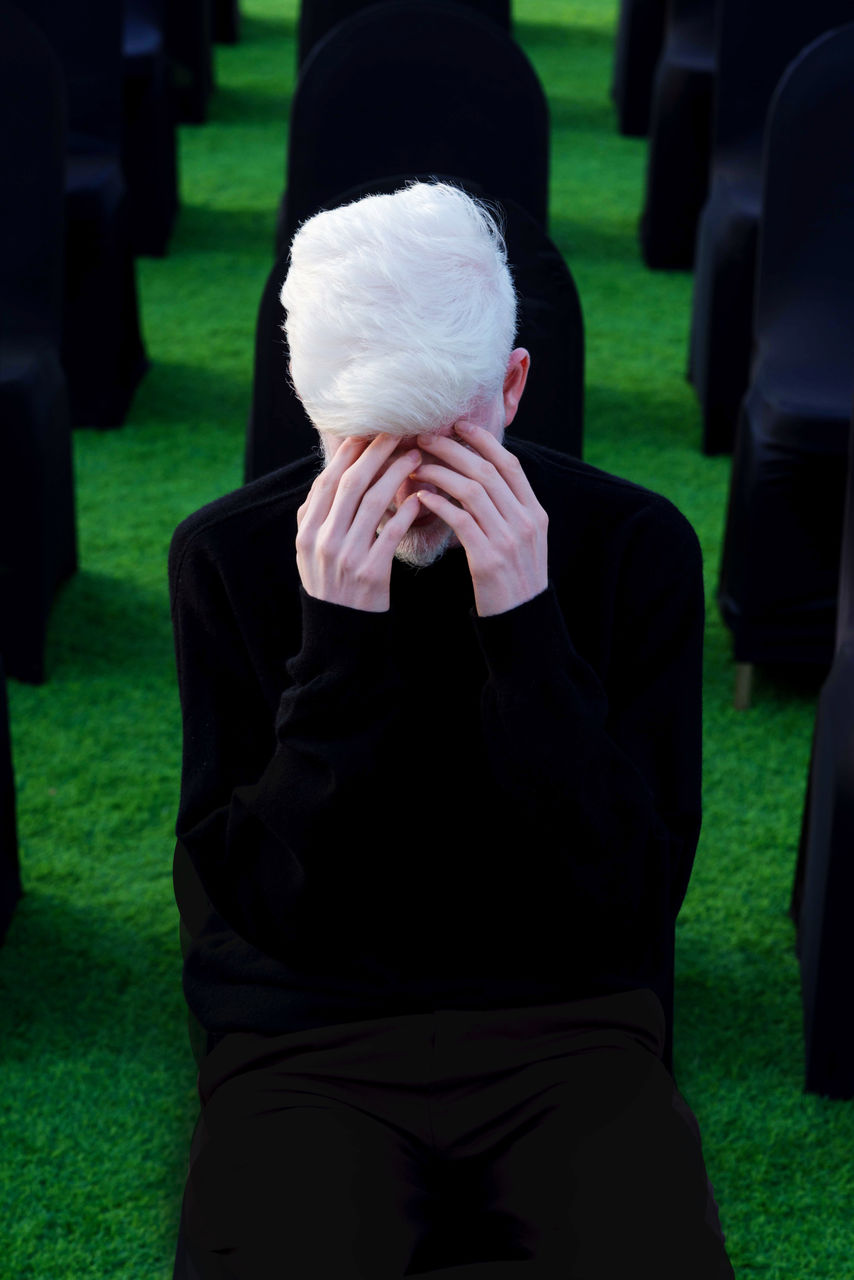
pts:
[97, 1099]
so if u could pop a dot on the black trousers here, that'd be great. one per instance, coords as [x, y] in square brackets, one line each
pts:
[553, 1133]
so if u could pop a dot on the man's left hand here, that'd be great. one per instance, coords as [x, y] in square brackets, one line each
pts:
[494, 513]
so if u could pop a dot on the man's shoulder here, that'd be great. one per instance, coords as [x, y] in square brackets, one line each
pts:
[261, 511]
[581, 498]
[619, 554]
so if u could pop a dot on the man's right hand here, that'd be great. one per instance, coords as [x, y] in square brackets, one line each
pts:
[341, 556]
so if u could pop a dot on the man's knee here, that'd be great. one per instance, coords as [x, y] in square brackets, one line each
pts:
[322, 1188]
[607, 1178]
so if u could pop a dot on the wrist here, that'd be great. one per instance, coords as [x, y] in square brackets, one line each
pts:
[350, 598]
[336, 636]
[533, 631]
[503, 596]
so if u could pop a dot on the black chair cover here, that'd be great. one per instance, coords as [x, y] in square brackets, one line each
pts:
[103, 353]
[10, 875]
[755, 43]
[640, 34]
[416, 87]
[190, 52]
[680, 136]
[148, 152]
[318, 17]
[225, 21]
[550, 327]
[823, 891]
[37, 527]
[780, 566]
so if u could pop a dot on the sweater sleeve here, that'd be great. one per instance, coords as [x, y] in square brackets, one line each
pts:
[262, 788]
[604, 768]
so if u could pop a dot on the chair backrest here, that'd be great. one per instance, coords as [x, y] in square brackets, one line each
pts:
[225, 21]
[32, 162]
[318, 17]
[10, 877]
[145, 15]
[806, 244]
[189, 48]
[152, 11]
[417, 87]
[550, 326]
[692, 22]
[90, 49]
[278, 430]
[755, 43]
[845, 608]
[638, 43]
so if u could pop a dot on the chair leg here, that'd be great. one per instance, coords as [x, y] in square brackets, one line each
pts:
[743, 686]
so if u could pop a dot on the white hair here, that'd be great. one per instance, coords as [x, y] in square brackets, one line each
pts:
[401, 311]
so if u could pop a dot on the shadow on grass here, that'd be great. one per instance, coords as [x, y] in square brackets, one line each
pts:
[252, 105]
[73, 976]
[105, 625]
[565, 36]
[255, 29]
[181, 396]
[737, 1015]
[640, 417]
[784, 684]
[585, 114]
[599, 242]
[201, 228]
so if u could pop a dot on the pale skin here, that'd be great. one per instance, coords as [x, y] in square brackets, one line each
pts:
[459, 477]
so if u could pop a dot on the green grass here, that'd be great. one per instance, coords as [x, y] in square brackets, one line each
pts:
[97, 1099]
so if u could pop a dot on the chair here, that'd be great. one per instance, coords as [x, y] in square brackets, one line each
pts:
[823, 892]
[416, 87]
[10, 874]
[318, 17]
[148, 149]
[640, 34]
[38, 549]
[680, 136]
[755, 43]
[102, 348]
[550, 327]
[225, 21]
[780, 563]
[190, 51]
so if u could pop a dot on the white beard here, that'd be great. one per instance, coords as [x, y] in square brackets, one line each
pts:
[420, 547]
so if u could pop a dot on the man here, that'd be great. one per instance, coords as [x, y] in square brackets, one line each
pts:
[440, 801]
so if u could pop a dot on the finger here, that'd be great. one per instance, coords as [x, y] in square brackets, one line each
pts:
[476, 441]
[356, 479]
[464, 525]
[505, 462]
[489, 507]
[388, 539]
[320, 496]
[378, 498]
[468, 462]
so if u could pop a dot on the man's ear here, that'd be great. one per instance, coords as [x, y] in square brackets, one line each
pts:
[514, 382]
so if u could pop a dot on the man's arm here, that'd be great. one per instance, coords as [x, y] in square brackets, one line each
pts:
[607, 771]
[262, 785]
[609, 776]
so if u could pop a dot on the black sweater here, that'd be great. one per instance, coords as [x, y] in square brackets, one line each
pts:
[397, 812]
